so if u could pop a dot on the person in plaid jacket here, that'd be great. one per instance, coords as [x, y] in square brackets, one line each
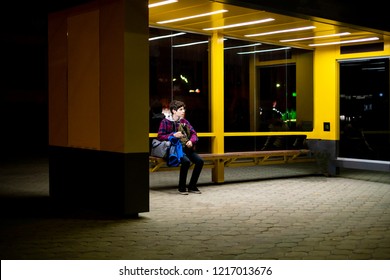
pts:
[177, 126]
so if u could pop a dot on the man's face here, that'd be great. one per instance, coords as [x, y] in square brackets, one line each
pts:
[180, 112]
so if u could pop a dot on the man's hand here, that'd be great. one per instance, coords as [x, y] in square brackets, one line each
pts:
[189, 144]
[178, 134]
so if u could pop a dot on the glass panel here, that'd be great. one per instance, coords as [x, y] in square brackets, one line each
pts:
[253, 83]
[254, 143]
[285, 89]
[364, 109]
[237, 73]
[261, 83]
[191, 78]
[160, 75]
[277, 96]
[179, 70]
[244, 143]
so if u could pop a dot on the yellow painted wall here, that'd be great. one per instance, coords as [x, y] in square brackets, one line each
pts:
[326, 87]
[325, 92]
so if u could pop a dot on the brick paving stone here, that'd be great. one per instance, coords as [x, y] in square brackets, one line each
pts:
[309, 217]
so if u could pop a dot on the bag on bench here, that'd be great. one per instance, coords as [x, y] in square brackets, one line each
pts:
[160, 148]
[175, 153]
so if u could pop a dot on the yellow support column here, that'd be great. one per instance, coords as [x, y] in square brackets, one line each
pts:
[217, 102]
[98, 106]
[326, 93]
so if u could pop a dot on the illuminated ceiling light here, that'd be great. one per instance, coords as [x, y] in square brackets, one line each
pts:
[166, 36]
[161, 3]
[315, 37]
[361, 59]
[266, 50]
[243, 46]
[374, 68]
[239, 24]
[281, 31]
[190, 44]
[345, 42]
[194, 16]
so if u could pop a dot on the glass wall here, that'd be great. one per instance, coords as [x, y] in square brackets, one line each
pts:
[179, 70]
[364, 109]
[260, 87]
[277, 95]
[250, 105]
[237, 90]
[261, 94]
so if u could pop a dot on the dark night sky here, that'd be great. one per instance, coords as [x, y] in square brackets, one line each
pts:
[23, 90]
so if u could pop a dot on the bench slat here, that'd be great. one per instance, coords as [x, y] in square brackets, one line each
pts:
[242, 158]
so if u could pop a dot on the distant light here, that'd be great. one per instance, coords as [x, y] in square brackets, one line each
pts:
[184, 79]
[277, 85]
[294, 94]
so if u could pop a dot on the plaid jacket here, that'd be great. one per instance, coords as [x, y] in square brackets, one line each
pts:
[169, 127]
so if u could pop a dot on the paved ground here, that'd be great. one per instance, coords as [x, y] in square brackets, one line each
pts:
[258, 214]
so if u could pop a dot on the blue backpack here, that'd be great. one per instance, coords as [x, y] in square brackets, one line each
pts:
[175, 152]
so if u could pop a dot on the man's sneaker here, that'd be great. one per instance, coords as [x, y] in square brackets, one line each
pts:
[183, 191]
[194, 190]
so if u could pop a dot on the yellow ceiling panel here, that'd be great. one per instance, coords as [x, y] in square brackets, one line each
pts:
[235, 15]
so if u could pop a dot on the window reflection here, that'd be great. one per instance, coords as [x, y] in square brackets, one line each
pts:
[261, 85]
[179, 70]
[364, 109]
[277, 96]
[237, 72]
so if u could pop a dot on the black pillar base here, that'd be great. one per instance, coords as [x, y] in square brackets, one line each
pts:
[325, 152]
[108, 182]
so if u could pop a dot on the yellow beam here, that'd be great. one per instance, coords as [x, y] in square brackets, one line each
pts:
[217, 91]
[217, 102]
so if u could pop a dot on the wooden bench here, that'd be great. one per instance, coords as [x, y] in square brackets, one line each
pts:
[232, 159]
